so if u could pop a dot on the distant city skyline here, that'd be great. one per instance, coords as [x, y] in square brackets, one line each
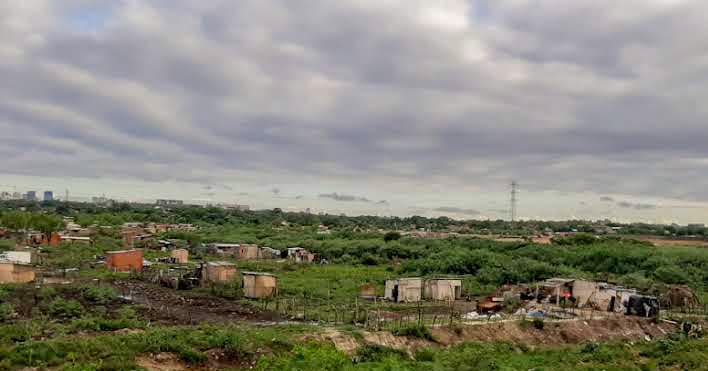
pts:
[593, 207]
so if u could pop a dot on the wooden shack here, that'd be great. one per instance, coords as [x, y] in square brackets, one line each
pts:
[16, 273]
[404, 290]
[218, 272]
[300, 255]
[248, 252]
[125, 260]
[20, 257]
[268, 253]
[367, 291]
[443, 289]
[181, 256]
[258, 285]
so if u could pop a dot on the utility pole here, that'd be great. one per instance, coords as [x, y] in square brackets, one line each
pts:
[514, 192]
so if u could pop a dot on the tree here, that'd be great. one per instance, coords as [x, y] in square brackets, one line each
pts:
[46, 224]
[392, 236]
[17, 220]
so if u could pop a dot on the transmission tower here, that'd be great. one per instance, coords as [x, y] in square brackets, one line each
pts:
[514, 192]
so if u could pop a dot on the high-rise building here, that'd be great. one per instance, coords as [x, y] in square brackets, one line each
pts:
[31, 196]
[48, 196]
[16, 195]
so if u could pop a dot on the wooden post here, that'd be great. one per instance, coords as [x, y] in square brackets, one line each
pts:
[420, 314]
[451, 315]
[378, 316]
[356, 310]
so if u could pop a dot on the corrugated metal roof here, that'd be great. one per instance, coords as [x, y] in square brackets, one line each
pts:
[257, 274]
[221, 264]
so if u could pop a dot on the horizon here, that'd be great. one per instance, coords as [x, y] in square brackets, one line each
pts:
[87, 199]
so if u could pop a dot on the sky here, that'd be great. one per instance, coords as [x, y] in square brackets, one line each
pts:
[384, 107]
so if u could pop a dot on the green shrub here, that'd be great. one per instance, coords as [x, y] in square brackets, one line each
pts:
[415, 331]
[425, 355]
[306, 357]
[64, 309]
[6, 312]
[377, 353]
[538, 324]
[671, 275]
[392, 236]
[101, 295]
[46, 292]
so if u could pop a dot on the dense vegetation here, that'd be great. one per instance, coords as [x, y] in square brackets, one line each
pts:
[678, 353]
[119, 213]
[46, 327]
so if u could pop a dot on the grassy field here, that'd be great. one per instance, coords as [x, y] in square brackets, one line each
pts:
[677, 354]
[87, 325]
[282, 348]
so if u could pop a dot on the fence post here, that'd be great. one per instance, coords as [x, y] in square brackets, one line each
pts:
[451, 314]
[356, 310]
[378, 317]
[420, 314]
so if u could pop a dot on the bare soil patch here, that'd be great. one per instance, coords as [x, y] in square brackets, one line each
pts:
[553, 333]
[161, 362]
[168, 306]
[672, 242]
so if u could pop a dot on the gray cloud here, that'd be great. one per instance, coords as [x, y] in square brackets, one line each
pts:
[456, 210]
[636, 206]
[607, 199]
[595, 96]
[344, 197]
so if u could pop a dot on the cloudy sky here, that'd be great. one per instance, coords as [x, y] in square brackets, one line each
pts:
[596, 107]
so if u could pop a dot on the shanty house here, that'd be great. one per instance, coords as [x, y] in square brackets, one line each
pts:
[300, 255]
[598, 295]
[15, 273]
[76, 239]
[247, 252]
[259, 285]
[125, 260]
[404, 289]
[558, 288]
[268, 253]
[54, 239]
[181, 256]
[218, 272]
[367, 291]
[443, 289]
[21, 257]
[224, 248]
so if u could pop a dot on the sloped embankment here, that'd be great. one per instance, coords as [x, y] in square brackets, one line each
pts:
[553, 333]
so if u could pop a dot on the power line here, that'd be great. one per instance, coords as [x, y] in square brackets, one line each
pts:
[514, 191]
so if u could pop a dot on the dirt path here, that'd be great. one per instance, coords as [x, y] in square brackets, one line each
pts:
[164, 305]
